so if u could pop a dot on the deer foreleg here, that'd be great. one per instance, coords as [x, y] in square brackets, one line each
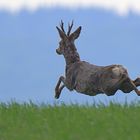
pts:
[59, 88]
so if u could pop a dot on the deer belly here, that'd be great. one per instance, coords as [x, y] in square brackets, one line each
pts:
[88, 90]
[89, 87]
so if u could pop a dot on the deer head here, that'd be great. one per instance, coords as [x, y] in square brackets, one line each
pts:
[67, 39]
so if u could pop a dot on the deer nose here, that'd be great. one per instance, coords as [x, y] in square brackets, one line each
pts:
[58, 51]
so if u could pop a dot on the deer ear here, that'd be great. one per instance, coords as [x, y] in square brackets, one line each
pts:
[76, 33]
[61, 33]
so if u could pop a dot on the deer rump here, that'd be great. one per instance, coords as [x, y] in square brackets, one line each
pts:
[91, 80]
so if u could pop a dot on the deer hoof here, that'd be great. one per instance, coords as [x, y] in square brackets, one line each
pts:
[57, 94]
[56, 97]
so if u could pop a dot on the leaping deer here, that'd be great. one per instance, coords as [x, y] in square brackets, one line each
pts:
[87, 78]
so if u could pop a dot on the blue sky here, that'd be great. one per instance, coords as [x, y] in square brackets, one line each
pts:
[30, 67]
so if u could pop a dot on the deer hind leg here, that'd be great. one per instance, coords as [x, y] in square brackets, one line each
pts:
[128, 85]
[58, 87]
[111, 91]
[137, 81]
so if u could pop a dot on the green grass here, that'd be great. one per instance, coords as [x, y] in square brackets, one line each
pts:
[73, 122]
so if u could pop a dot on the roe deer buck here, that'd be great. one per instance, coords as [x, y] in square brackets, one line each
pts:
[87, 78]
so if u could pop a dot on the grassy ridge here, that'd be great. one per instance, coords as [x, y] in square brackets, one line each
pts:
[32, 122]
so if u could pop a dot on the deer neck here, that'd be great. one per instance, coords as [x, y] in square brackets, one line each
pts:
[71, 55]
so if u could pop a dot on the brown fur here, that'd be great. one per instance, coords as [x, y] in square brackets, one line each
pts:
[87, 78]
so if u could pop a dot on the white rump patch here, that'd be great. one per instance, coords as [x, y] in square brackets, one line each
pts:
[118, 70]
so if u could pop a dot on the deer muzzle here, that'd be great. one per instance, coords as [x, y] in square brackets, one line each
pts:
[58, 51]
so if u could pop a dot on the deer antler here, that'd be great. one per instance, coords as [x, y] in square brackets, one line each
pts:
[62, 26]
[69, 28]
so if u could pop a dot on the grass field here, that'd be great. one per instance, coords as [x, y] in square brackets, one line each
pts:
[73, 122]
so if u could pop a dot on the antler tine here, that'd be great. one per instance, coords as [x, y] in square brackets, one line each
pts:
[62, 26]
[69, 28]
